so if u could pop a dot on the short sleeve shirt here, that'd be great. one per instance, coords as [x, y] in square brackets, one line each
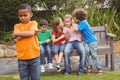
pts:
[73, 34]
[27, 48]
[87, 32]
[60, 34]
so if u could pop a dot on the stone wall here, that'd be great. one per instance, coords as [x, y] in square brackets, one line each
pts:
[8, 60]
[7, 51]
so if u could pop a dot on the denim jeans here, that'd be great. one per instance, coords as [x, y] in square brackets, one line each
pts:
[68, 50]
[58, 48]
[91, 49]
[45, 48]
[29, 69]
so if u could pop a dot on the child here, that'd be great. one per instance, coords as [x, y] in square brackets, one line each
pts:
[27, 45]
[89, 38]
[74, 41]
[44, 38]
[59, 41]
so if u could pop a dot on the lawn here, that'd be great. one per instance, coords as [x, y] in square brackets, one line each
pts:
[113, 75]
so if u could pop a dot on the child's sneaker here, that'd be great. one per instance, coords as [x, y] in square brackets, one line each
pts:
[42, 68]
[88, 69]
[58, 67]
[100, 72]
[50, 66]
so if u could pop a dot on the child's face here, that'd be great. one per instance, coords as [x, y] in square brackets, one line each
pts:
[44, 28]
[24, 15]
[68, 22]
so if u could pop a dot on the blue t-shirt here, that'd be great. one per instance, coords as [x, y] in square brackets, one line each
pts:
[87, 32]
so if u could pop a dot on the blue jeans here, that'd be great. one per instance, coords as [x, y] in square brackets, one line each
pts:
[68, 50]
[91, 49]
[29, 69]
[45, 48]
[58, 48]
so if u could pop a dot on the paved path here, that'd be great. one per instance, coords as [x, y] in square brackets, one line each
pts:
[9, 65]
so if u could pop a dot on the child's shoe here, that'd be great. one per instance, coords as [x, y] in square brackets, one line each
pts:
[89, 69]
[100, 72]
[50, 66]
[58, 67]
[42, 68]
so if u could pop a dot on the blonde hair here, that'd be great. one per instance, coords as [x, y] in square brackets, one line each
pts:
[68, 16]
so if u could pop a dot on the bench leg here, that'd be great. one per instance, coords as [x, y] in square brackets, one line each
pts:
[112, 54]
[112, 61]
[106, 60]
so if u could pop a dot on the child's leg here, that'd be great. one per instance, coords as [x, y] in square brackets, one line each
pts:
[62, 47]
[68, 50]
[60, 56]
[80, 48]
[49, 56]
[56, 50]
[42, 57]
[87, 55]
[34, 67]
[23, 70]
[93, 49]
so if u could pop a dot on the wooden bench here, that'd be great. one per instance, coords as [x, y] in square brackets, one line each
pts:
[105, 44]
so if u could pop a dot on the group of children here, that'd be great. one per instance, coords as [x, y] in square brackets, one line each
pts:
[65, 36]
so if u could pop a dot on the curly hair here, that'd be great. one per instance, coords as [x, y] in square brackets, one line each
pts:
[80, 14]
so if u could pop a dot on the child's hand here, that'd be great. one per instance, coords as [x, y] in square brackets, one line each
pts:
[19, 38]
[12, 35]
[63, 42]
[74, 27]
[36, 32]
[40, 42]
[47, 41]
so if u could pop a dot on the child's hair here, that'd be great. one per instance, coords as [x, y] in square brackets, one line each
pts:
[80, 14]
[56, 23]
[68, 16]
[25, 6]
[43, 22]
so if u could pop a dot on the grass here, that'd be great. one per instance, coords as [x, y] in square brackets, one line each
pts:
[111, 75]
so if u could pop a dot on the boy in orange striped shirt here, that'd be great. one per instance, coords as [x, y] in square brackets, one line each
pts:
[27, 45]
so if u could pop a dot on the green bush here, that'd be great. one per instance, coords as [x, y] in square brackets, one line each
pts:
[96, 16]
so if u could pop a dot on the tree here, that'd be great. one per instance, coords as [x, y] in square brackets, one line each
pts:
[8, 13]
[8, 17]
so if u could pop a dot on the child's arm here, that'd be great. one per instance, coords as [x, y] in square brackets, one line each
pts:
[24, 34]
[16, 37]
[47, 41]
[55, 40]
[63, 42]
[74, 27]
